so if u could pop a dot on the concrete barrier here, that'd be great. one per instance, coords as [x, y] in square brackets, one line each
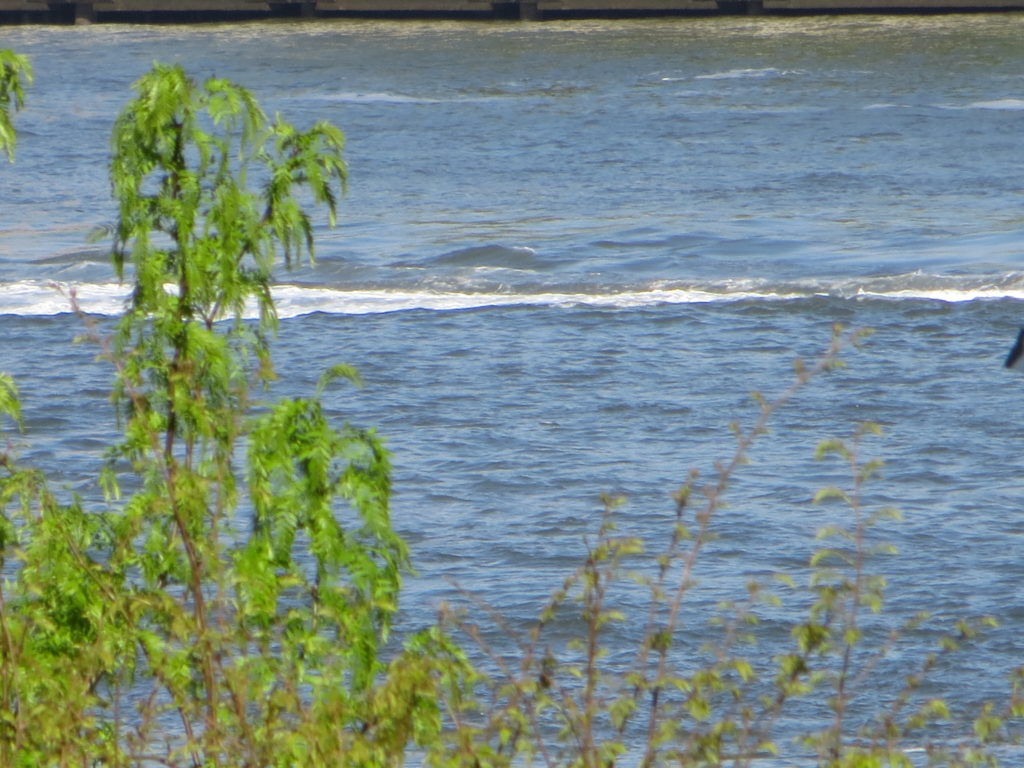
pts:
[570, 8]
[89, 11]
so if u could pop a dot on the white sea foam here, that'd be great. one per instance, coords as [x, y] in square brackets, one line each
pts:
[999, 104]
[733, 74]
[37, 298]
[384, 97]
[359, 97]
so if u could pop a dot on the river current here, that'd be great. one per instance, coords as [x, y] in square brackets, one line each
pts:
[568, 254]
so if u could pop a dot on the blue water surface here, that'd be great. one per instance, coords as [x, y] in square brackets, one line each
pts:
[622, 230]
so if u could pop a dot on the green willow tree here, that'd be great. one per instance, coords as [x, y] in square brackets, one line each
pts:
[212, 616]
[181, 158]
[47, 681]
[15, 74]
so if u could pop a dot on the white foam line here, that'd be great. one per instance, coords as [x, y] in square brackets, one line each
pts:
[34, 298]
[739, 73]
[949, 295]
[292, 301]
[1011, 104]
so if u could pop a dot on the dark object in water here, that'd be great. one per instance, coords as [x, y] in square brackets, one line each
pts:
[1016, 356]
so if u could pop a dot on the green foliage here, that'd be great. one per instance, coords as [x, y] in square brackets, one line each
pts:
[9, 403]
[214, 616]
[15, 74]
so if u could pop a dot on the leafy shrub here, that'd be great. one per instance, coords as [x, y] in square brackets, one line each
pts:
[216, 615]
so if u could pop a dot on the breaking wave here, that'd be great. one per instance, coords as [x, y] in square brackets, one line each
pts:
[45, 298]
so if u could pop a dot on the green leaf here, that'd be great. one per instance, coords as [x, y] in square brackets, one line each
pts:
[15, 74]
[335, 372]
[10, 405]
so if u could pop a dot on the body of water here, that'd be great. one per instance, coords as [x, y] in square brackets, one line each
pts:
[569, 253]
